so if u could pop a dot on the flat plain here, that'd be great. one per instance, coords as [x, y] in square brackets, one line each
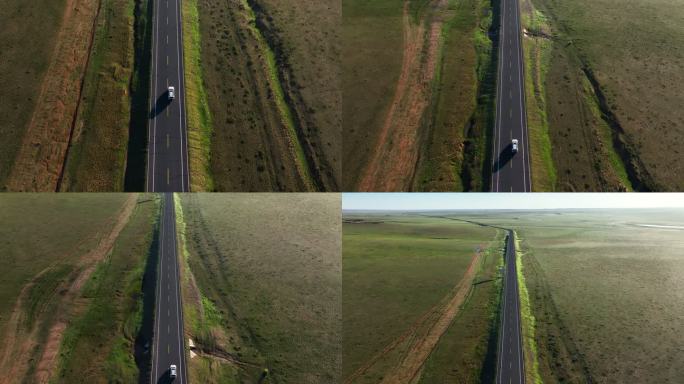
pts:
[418, 288]
[605, 293]
[262, 287]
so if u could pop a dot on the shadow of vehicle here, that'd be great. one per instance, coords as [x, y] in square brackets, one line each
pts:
[162, 103]
[166, 378]
[504, 157]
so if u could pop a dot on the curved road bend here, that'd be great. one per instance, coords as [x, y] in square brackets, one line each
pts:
[510, 172]
[167, 148]
[168, 343]
[511, 366]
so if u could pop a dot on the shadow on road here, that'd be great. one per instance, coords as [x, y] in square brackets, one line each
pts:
[161, 104]
[166, 379]
[504, 157]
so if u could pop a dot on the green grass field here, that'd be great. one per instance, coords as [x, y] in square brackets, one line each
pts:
[98, 346]
[23, 67]
[459, 124]
[606, 80]
[604, 292]
[262, 287]
[47, 246]
[370, 64]
[263, 95]
[97, 158]
[36, 240]
[396, 267]
[98, 110]
[453, 129]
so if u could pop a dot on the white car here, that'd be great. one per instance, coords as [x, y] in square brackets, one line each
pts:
[172, 93]
[172, 371]
[514, 145]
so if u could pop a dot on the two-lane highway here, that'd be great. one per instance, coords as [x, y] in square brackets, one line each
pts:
[510, 367]
[510, 171]
[168, 342]
[167, 153]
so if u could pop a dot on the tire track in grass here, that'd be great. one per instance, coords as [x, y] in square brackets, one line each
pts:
[20, 344]
[440, 316]
[396, 152]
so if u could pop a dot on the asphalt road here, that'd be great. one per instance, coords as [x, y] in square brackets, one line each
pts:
[167, 152]
[510, 172]
[510, 367]
[168, 343]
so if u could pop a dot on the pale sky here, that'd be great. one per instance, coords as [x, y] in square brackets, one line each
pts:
[444, 201]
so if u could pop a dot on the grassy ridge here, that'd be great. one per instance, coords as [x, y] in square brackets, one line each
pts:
[587, 113]
[536, 53]
[199, 314]
[631, 73]
[454, 99]
[479, 315]
[271, 68]
[274, 283]
[98, 346]
[197, 107]
[528, 320]
[96, 158]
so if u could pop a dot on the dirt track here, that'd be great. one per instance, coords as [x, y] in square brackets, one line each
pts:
[20, 343]
[39, 161]
[424, 334]
[396, 153]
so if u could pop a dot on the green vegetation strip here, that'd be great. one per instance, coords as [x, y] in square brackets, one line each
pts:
[536, 53]
[100, 342]
[197, 104]
[528, 320]
[105, 106]
[605, 133]
[279, 97]
[190, 314]
[200, 318]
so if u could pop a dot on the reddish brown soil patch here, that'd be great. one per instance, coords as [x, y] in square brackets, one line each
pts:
[20, 342]
[394, 160]
[39, 161]
[424, 334]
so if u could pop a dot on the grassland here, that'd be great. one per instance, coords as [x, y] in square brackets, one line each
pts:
[22, 67]
[371, 58]
[263, 112]
[397, 270]
[96, 159]
[76, 73]
[459, 124]
[262, 287]
[452, 112]
[98, 346]
[71, 285]
[604, 293]
[608, 101]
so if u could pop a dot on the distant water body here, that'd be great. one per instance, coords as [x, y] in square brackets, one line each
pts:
[660, 226]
